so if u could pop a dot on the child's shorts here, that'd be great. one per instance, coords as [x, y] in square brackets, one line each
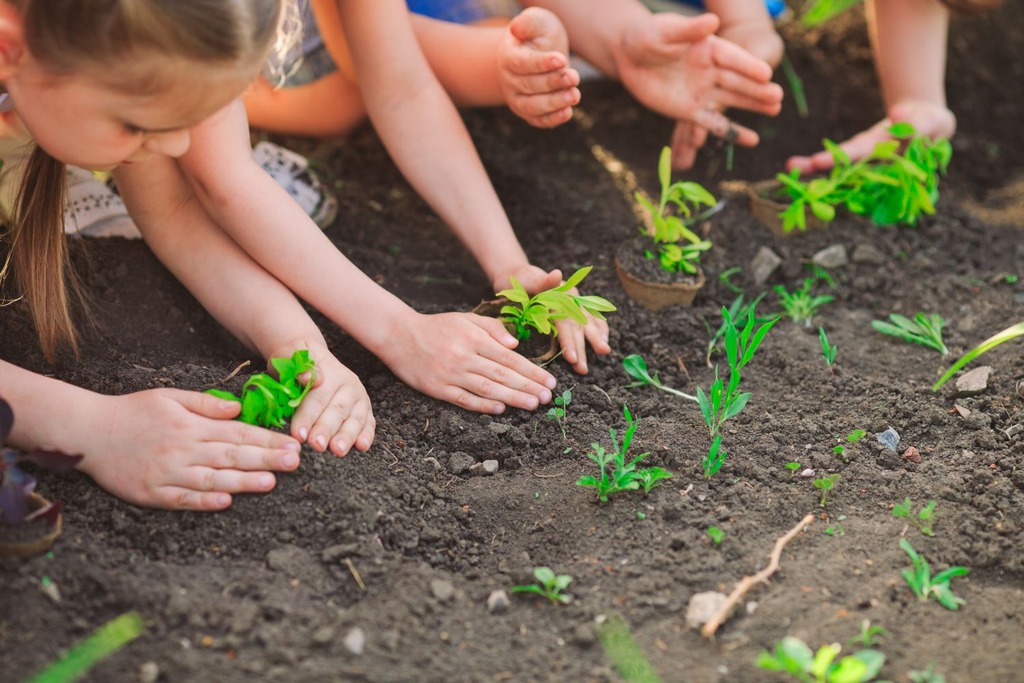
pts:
[457, 11]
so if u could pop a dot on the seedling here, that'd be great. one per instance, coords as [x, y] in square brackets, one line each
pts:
[716, 534]
[679, 248]
[103, 642]
[923, 519]
[270, 402]
[793, 466]
[853, 437]
[636, 367]
[869, 635]
[828, 351]
[924, 329]
[924, 585]
[549, 585]
[713, 461]
[616, 474]
[995, 340]
[929, 675]
[540, 311]
[794, 657]
[800, 305]
[825, 484]
[623, 652]
[557, 412]
[836, 529]
[737, 311]
[16, 485]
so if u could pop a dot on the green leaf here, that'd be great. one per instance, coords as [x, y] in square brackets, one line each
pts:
[995, 340]
[575, 279]
[226, 395]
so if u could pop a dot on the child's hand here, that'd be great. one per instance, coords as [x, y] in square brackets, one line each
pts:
[931, 120]
[675, 66]
[572, 337]
[336, 412]
[536, 81]
[185, 450]
[467, 360]
[756, 35]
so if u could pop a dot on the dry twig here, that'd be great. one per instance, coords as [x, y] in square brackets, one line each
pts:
[234, 372]
[748, 582]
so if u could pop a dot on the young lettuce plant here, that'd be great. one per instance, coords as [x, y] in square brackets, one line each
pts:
[549, 585]
[16, 485]
[794, 657]
[679, 248]
[270, 402]
[924, 329]
[616, 473]
[924, 585]
[540, 311]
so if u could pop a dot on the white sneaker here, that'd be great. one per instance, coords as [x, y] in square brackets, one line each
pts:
[292, 172]
[95, 210]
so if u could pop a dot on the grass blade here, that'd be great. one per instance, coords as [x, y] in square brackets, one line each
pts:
[105, 641]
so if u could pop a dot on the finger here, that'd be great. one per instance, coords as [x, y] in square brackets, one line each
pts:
[734, 58]
[245, 434]
[210, 480]
[206, 405]
[177, 498]
[342, 424]
[726, 99]
[500, 384]
[246, 458]
[538, 381]
[366, 436]
[551, 82]
[675, 28]
[684, 152]
[805, 164]
[537, 106]
[762, 97]
[574, 348]
[719, 125]
[596, 332]
[538, 27]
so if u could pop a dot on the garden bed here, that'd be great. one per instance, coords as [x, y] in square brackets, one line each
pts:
[404, 544]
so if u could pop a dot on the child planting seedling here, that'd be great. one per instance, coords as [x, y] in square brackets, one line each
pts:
[539, 312]
[270, 402]
[616, 474]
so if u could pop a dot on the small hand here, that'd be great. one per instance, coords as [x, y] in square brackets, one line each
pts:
[175, 449]
[336, 413]
[537, 82]
[756, 35]
[931, 120]
[467, 360]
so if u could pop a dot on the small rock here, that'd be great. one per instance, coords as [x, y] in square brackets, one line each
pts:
[497, 602]
[355, 641]
[831, 257]
[498, 428]
[442, 590]
[868, 253]
[751, 606]
[149, 672]
[963, 412]
[973, 382]
[490, 466]
[807, 473]
[1013, 430]
[584, 636]
[458, 463]
[702, 607]
[890, 438]
[763, 265]
[431, 460]
[912, 454]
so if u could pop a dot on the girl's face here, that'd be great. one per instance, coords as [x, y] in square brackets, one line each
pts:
[83, 122]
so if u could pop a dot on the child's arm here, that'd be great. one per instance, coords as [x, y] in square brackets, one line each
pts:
[247, 300]
[908, 38]
[461, 358]
[163, 448]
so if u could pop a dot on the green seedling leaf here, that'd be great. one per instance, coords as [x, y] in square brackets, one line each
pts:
[636, 367]
[104, 641]
[625, 655]
[924, 329]
[995, 340]
[924, 585]
[270, 402]
[716, 534]
[540, 311]
[549, 585]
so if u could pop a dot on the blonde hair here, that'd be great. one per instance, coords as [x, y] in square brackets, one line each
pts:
[114, 42]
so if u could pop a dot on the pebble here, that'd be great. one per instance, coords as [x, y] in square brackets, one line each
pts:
[868, 253]
[497, 602]
[807, 473]
[833, 256]
[490, 466]
[912, 454]
[973, 382]
[890, 438]
[442, 589]
[355, 641]
[149, 672]
[458, 463]
[763, 265]
[702, 607]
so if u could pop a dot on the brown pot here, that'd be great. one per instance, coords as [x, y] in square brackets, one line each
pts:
[767, 210]
[657, 295]
[11, 545]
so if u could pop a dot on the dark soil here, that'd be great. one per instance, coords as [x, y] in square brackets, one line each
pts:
[405, 543]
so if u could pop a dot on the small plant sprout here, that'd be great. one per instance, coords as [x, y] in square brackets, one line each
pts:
[716, 534]
[549, 585]
[924, 329]
[924, 585]
[828, 350]
[929, 675]
[713, 461]
[269, 402]
[869, 635]
[679, 248]
[923, 518]
[540, 311]
[825, 484]
[800, 305]
[853, 437]
[616, 474]
[557, 412]
[794, 657]
[793, 466]
[995, 340]
[636, 367]
[738, 310]
[837, 528]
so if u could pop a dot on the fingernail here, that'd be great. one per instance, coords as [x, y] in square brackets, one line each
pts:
[545, 396]
[294, 446]
[499, 409]
[321, 442]
[340, 447]
[266, 481]
[303, 433]
[289, 460]
[550, 382]
[223, 500]
[226, 405]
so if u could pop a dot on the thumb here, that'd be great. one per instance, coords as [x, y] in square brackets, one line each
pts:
[675, 28]
[207, 405]
[537, 26]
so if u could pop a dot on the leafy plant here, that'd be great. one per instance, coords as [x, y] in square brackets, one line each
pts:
[679, 248]
[995, 340]
[800, 305]
[793, 466]
[16, 485]
[923, 519]
[549, 585]
[869, 635]
[616, 473]
[888, 186]
[540, 311]
[716, 534]
[737, 311]
[853, 437]
[713, 461]
[828, 351]
[794, 657]
[825, 484]
[623, 652]
[636, 367]
[269, 402]
[924, 585]
[924, 329]
[557, 412]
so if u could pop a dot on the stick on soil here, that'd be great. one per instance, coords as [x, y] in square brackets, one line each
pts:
[748, 582]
